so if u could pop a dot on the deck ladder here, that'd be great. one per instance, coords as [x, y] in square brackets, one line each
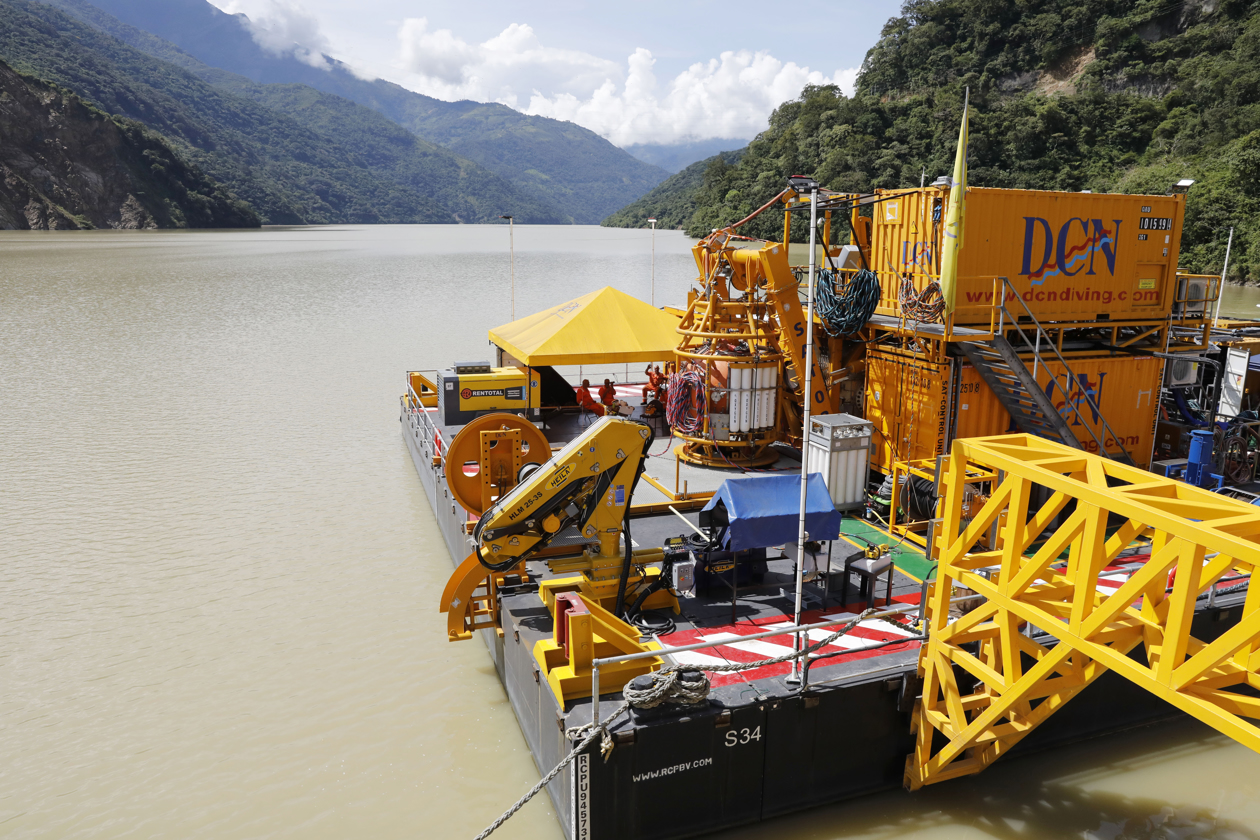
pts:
[1032, 408]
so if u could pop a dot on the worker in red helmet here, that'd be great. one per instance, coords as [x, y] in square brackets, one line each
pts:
[585, 399]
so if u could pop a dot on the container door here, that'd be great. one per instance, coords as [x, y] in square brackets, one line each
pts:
[1150, 285]
[1232, 383]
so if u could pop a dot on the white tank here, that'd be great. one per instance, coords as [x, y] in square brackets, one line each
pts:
[768, 395]
[746, 403]
[733, 381]
[757, 377]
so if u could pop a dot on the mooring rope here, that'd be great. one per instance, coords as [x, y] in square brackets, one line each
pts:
[667, 686]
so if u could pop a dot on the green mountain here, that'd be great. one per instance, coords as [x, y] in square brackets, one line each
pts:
[554, 163]
[571, 166]
[673, 202]
[65, 165]
[1104, 95]
[313, 165]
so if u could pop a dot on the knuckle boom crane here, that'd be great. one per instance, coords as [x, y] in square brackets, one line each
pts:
[572, 513]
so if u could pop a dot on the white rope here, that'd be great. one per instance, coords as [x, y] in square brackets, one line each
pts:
[667, 687]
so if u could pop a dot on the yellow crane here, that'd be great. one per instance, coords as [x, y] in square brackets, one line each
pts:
[583, 490]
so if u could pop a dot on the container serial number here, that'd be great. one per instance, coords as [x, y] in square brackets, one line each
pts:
[1155, 223]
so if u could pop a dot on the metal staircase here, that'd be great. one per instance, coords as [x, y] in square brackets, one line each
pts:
[1032, 408]
[1012, 382]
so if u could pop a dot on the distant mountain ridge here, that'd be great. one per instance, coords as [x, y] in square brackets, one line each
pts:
[558, 163]
[301, 167]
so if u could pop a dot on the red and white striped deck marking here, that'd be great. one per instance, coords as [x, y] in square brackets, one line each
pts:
[729, 648]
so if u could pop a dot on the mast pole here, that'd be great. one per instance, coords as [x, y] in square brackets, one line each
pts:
[512, 260]
[653, 221]
[1220, 292]
[802, 535]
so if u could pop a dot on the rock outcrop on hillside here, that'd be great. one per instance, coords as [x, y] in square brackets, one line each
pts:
[65, 165]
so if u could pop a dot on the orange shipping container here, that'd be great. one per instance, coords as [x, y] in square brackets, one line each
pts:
[1070, 256]
[908, 400]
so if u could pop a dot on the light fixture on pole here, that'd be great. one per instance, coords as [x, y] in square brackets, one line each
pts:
[512, 251]
[653, 223]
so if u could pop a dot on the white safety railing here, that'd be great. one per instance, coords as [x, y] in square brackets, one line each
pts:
[423, 418]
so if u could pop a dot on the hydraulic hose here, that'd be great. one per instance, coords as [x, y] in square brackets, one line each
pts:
[619, 608]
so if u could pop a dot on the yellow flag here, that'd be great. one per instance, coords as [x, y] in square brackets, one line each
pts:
[954, 216]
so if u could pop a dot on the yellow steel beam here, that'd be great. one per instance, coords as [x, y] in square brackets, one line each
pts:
[1195, 537]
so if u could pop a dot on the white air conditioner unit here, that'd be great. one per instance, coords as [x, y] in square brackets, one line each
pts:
[1181, 373]
[1193, 295]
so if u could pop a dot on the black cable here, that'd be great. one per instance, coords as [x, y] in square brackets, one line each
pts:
[845, 310]
[625, 567]
[619, 607]
[635, 614]
[640, 622]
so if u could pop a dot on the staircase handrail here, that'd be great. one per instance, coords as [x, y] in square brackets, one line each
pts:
[1036, 351]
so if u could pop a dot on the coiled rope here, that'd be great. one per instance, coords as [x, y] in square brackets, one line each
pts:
[678, 687]
[926, 307]
[846, 310]
[685, 404]
[668, 685]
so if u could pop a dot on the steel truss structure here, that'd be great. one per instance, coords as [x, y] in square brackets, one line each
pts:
[1035, 562]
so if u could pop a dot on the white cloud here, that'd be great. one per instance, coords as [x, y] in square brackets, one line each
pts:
[727, 97]
[448, 67]
[283, 27]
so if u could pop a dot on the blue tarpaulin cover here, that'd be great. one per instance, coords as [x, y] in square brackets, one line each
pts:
[765, 510]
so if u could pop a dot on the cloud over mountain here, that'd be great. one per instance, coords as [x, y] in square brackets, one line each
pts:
[726, 97]
[283, 27]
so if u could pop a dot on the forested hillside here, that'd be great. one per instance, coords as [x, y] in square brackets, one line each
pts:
[1108, 95]
[294, 163]
[65, 165]
[673, 201]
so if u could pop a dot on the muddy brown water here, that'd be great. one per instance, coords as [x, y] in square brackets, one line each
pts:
[219, 571]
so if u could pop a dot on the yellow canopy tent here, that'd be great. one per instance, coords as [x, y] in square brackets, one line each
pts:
[603, 327]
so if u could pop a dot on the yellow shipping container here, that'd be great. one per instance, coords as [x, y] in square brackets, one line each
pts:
[908, 400]
[1070, 256]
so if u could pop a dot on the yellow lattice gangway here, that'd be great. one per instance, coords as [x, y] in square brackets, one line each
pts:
[1055, 518]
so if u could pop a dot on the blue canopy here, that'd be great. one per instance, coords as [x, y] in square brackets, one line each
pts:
[765, 510]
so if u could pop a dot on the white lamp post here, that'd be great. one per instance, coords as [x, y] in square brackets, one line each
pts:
[512, 251]
[653, 223]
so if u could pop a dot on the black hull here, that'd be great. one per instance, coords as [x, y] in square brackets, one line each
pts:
[746, 758]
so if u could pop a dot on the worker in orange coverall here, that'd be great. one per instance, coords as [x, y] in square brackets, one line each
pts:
[655, 381]
[608, 393]
[585, 399]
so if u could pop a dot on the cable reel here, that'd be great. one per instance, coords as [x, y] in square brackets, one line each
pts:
[489, 456]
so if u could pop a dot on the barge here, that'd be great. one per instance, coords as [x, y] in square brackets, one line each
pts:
[871, 655]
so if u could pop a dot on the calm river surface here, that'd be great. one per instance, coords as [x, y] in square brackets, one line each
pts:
[219, 573]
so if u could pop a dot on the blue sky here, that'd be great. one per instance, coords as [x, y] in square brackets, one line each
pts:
[650, 71]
